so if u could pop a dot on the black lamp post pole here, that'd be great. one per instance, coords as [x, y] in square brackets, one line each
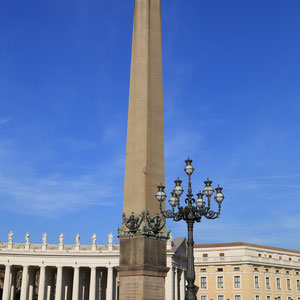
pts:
[190, 214]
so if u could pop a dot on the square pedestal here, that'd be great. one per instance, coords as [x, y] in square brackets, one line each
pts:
[142, 269]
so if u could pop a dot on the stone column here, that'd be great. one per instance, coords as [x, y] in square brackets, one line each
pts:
[93, 284]
[31, 289]
[182, 285]
[42, 282]
[169, 285]
[7, 283]
[24, 286]
[59, 284]
[13, 283]
[109, 288]
[176, 284]
[75, 294]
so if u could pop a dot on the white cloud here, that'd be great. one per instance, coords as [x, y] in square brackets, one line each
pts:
[24, 190]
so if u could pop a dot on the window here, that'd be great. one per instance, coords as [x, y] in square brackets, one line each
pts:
[268, 297]
[287, 272]
[220, 269]
[267, 270]
[278, 298]
[298, 285]
[259, 255]
[268, 287]
[205, 255]
[236, 269]
[256, 282]
[256, 297]
[288, 284]
[203, 283]
[255, 270]
[220, 297]
[297, 273]
[277, 271]
[203, 297]
[220, 282]
[278, 287]
[202, 270]
[290, 258]
[270, 256]
[289, 298]
[221, 254]
[237, 297]
[237, 282]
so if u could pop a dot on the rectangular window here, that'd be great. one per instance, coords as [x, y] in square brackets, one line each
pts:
[256, 297]
[298, 285]
[203, 283]
[221, 254]
[205, 255]
[289, 298]
[236, 269]
[279, 298]
[268, 287]
[237, 297]
[268, 297]
[220, 282]
[220, 297]
[220, 269]
[202, 270]
[237, 282]
[256, 282]
[203, 297]
[278, 286]
[288, 284]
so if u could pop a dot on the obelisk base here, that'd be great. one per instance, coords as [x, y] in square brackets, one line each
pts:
[142, 269]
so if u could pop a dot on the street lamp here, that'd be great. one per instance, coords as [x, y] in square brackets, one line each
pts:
[191, 213]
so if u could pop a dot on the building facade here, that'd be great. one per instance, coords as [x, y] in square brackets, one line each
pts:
[77, 272]
[230, 271]
[242, 271]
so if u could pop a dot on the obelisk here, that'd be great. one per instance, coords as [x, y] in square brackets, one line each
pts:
[142, 268]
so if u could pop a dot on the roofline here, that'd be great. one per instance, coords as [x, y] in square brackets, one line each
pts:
[243, 244]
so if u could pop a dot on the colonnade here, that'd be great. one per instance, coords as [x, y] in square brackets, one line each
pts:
[175, 283]
[60, 283]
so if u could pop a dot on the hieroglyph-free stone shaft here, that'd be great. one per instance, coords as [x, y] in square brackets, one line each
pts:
[142, 268]
[145, 137]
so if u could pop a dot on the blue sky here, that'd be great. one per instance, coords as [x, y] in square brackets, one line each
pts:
[231, 102]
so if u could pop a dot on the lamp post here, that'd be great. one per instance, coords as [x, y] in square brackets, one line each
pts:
[191, 213]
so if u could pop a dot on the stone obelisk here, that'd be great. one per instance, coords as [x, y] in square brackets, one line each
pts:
[142, 268]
